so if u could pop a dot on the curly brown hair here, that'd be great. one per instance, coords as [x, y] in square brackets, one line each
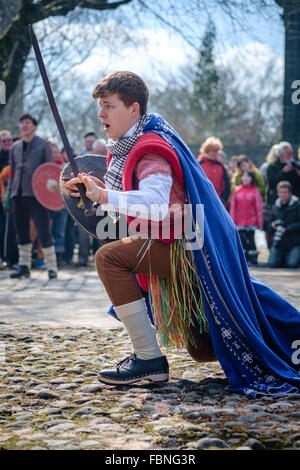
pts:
[129, 87]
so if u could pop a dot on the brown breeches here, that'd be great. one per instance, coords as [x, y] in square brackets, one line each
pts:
[118, 262]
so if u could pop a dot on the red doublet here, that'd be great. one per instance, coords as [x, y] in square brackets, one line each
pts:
[150, 143]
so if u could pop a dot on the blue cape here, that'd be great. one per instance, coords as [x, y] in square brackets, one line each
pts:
[254, 330]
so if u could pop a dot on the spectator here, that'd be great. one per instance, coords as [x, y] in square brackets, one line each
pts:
[70, 232]
[222, 159]
[282, 169]
[8, 242]
[99, 147]
[57, 156]
[246, 211]
[37, 254]
[6, 142]
[84, 239]
[233, 163]
[59, 218]
[89, 140]
[285, 225]
[245, 164]
[214, 170]
[271, 158]
[26, 155]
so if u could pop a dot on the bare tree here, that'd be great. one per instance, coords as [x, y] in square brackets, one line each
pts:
[250, 115]
[65, 47]
[183, 17]
[15, 43]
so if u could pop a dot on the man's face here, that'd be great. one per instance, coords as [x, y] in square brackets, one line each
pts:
[286, 155]
[116, 118]
[6, 141]
[89, 142]
[27, 128]
[284, 195]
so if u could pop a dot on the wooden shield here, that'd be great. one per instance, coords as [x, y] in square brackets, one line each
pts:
[45, 185]
[93, 165]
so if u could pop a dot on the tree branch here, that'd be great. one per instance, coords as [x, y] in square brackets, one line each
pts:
[15, 42]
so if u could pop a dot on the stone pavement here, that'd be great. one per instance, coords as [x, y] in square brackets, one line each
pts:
[56, 335]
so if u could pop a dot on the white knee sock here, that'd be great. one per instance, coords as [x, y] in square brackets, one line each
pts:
[50, 257]
[25, 255]
[141, 333]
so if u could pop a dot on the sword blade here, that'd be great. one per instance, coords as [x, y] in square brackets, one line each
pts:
[81, 188]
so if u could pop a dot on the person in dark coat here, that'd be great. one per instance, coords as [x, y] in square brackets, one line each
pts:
[283, 169]
[8, 242]
[285, 225]
[26, 155]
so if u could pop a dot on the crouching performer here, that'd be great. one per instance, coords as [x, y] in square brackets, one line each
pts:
[201, 294]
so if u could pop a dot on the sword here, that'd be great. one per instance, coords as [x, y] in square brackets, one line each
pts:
[89, 209]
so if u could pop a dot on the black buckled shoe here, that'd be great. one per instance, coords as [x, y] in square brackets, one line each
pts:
[22, 271]
[133, 369]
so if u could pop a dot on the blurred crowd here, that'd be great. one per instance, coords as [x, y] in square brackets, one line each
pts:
[265, 198]
[33, 237]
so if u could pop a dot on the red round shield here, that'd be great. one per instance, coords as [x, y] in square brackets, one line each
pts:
[45, 185]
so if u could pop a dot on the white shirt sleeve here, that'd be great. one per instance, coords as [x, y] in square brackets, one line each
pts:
[151, 201]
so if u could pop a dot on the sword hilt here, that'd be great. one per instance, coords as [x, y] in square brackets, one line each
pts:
[88, 211]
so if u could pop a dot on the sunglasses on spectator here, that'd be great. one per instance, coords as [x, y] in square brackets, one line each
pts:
[6, 140]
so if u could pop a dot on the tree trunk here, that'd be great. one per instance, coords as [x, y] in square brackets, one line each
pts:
[291, 104]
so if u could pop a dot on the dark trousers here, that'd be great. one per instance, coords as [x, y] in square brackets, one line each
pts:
[86, 242]
[70, 239]
[58, 229]
[8, 241]
[289, 258]
[248, 242]
[26, 207]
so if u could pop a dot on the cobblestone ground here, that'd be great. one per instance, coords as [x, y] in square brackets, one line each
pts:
[55, 336]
